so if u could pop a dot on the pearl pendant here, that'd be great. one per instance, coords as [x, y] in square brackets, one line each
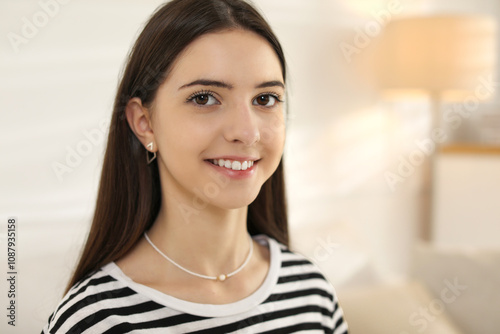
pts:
[222, 277]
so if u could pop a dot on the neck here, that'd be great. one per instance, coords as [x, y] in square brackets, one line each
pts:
[212, 241]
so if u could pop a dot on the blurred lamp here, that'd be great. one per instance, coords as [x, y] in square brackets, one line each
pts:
[440, 55]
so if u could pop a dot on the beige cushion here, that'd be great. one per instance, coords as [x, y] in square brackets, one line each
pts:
[404, 308]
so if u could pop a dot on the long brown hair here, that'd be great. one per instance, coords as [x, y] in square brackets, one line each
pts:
[129, 195]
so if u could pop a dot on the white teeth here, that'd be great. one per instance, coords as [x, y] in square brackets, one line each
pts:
[234, 165]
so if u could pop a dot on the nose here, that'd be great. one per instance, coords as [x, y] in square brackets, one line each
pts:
[242, 125]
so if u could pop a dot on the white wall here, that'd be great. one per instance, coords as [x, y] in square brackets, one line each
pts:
[467, 198]
[60, 85]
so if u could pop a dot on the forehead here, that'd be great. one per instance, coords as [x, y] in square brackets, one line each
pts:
[239, 57]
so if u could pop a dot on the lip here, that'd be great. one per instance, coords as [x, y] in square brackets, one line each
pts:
[234, 174]
[235, 158]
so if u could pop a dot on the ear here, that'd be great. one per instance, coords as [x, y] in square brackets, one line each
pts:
[139, 120]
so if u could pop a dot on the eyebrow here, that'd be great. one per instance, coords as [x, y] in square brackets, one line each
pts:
[222, 84]
[205, 82]
[274, 83]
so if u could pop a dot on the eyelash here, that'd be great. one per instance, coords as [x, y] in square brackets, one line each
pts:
[199, 93]
[212, 94]
[273, 94]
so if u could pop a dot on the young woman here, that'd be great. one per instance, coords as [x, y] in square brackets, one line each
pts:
[190, 229]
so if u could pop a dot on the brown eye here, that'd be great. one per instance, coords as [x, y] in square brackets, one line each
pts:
[265, 100]
[201, 99]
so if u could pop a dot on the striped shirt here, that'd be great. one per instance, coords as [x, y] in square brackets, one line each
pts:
[294, 297]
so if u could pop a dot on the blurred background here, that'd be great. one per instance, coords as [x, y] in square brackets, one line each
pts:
[392, 154]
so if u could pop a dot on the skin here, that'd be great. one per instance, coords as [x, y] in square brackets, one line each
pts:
[202, 221]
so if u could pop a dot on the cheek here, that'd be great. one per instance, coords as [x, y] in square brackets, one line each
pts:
[182, 135]
[273, 134]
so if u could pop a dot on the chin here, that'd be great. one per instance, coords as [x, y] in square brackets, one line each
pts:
[231, 201]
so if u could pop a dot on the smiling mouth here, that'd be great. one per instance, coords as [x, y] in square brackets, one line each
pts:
[232, 164]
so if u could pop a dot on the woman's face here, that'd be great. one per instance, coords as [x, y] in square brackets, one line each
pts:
[218, 120]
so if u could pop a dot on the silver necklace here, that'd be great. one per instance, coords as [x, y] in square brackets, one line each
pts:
[220, 278]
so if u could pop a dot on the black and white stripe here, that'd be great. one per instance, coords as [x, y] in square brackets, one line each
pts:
[295, 297]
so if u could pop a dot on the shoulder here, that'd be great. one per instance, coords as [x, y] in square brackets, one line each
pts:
[300, 279]
[293, 270]
[296, 267]
[88, 302]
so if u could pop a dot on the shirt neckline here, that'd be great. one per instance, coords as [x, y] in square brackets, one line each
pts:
[210, 310]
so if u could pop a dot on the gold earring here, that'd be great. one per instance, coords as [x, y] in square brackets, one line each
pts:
[149, 158]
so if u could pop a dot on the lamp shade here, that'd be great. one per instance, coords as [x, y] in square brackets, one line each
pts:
[437, 53]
